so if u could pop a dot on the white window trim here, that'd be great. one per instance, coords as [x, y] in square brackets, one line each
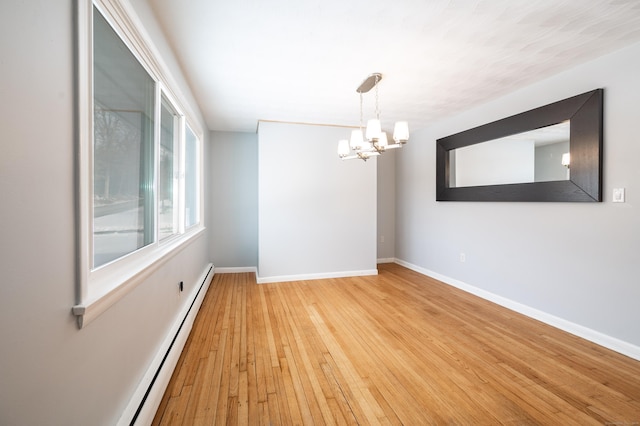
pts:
[99, 289]
[162, 93]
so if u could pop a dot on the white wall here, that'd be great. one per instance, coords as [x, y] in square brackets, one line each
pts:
[51, 372]
[579, 262]
[317, 213]
[233, 165]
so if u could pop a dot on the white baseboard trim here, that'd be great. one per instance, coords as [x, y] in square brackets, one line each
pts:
[306, 277]
[235, 270]
[386, 260]
[148, 395]
[594, 336]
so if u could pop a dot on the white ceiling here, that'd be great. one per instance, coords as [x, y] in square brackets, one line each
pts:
[302, 60]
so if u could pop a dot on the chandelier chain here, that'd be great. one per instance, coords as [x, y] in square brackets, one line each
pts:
[377, 104]
[361, 114]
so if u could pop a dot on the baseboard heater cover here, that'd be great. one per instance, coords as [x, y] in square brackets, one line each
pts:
[147, 397]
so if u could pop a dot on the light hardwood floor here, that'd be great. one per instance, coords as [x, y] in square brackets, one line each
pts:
[397, 348]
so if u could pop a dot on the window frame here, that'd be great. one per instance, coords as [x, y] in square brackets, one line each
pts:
[177, 167]
[99, 288]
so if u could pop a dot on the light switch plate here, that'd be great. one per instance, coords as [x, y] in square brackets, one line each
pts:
[618, 195]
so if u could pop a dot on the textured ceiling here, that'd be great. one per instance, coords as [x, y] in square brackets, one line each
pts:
[302, 60]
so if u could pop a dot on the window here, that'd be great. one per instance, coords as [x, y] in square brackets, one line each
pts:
[168, 202]
[139, 173]
[123, 110]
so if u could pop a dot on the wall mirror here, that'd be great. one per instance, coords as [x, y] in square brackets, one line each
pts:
[551, 153]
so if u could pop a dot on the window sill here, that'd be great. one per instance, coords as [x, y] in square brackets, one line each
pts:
[102, 295]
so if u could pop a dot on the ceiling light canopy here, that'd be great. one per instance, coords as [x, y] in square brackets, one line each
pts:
[373, 141]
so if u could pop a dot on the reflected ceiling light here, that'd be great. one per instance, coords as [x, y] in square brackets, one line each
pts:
[376, 141]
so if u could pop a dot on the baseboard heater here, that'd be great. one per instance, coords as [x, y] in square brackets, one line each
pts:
[145, 401]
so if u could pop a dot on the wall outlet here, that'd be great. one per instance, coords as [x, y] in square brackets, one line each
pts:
[463, 257]
[382, 238]
[618, 195]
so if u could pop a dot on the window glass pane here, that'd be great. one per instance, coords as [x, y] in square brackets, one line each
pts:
[123, 210]
[167, 174]
[191, 173]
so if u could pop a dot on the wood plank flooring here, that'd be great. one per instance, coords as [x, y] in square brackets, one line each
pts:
[397, 348]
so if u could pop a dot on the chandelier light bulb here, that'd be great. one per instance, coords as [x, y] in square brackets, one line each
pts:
[343, 148]
[373, 129]
[356, 140]
[401, 132]
[382, 141]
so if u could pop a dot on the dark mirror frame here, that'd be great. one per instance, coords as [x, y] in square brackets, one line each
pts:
[585, 185]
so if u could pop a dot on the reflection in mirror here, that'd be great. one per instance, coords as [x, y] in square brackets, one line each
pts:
[532, 156]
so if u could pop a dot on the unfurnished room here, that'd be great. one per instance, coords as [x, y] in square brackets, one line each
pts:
[319, 212]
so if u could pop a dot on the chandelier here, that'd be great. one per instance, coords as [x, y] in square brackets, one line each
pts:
[373, 141]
